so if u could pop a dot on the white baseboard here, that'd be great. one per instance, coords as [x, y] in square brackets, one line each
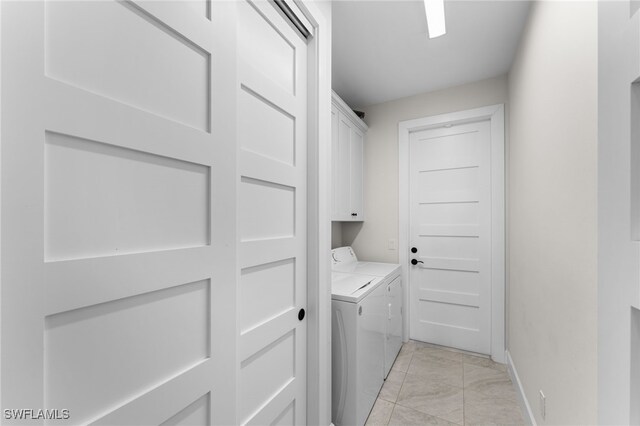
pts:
[524, 403]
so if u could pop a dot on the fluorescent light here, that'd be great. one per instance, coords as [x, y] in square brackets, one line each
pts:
[434, 10]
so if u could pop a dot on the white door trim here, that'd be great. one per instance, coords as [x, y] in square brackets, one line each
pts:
[318, 217]
[495, 114]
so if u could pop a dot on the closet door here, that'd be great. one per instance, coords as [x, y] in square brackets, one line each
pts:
[117, 213]
[272, 229]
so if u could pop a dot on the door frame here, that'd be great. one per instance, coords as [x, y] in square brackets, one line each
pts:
[318, 214]
[495, 115]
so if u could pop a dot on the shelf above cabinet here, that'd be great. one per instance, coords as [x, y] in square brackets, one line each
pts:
[337, 102]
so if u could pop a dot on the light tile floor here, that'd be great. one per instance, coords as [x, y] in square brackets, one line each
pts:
[432, 385]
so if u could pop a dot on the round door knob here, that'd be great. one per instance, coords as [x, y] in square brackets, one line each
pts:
[301, 314]
[414, 250]
[415, 261]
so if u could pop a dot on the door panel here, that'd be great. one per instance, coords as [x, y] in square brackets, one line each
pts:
[81, 347]
[259, 117]
[267, 45]
[272, 217]
[84, 179]
[450, 199]
[117, 245]
[111, 51]
[196, 414]
[266, 290]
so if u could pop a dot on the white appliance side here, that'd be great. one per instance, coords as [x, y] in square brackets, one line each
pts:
[357, 357]
[343, 362]
[345, 261]
[370, 362]
[393, 335]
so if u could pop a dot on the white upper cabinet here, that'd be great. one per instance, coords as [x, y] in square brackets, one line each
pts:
[347, 150]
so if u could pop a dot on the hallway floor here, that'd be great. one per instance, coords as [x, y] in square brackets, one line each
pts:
[432, 385]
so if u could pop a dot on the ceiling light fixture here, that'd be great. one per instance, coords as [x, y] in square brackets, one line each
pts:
[434, 10]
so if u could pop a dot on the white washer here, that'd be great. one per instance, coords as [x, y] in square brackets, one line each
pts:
[358, 332]
[344, 259]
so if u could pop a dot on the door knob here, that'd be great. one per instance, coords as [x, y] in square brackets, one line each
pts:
[414, 250]
[415, 261]
[301, 314]
[354, 214]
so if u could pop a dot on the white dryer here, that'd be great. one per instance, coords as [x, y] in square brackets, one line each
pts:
[358, 332]
[344, 259]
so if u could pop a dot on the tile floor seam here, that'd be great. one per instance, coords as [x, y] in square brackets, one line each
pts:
[400, 390]
[428, 414]
[431, 413]
[464, 416]
[391, 416]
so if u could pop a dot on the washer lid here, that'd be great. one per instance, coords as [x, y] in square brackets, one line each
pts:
[352, 287]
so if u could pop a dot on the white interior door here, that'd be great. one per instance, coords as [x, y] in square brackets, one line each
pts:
[272, 130]
[117, 254]
[450, 227]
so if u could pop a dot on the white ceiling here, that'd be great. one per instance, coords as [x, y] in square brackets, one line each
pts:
[381, 50]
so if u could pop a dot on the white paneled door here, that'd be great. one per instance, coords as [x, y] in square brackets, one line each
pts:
[153, 183]
[110, 266]
[450, 236]
[272, 131]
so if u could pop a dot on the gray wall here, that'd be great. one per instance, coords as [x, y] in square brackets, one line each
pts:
[552, 302]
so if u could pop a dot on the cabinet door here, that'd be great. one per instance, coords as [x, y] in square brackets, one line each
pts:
[335, 167]
[343, 185]
[356, 175]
